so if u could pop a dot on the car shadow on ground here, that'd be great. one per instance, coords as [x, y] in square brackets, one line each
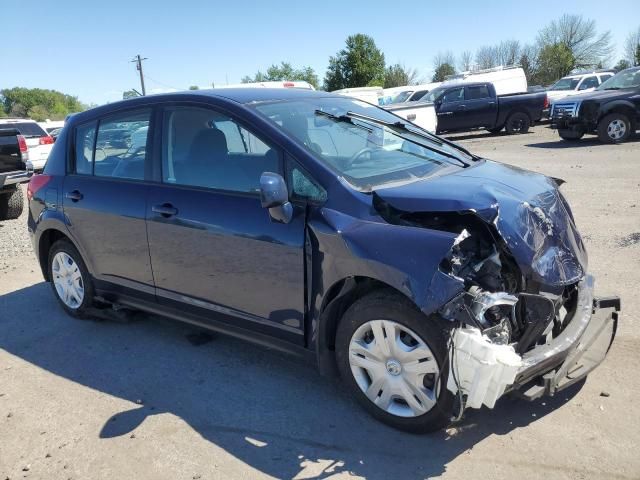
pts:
[265, 408]
[582, 143]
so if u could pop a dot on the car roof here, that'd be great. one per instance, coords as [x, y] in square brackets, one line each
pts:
[238, 95]
[16, 120]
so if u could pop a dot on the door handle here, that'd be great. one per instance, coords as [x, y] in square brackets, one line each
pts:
[166, 210]
[74, 196]
[491, 103]
[445, 113]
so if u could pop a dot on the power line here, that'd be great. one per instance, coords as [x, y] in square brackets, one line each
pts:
[138, 62]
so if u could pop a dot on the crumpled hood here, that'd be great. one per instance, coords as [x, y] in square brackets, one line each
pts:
[526, 208]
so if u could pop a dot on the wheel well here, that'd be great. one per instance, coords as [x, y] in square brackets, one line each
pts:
[338, 299]
[47, 239]
[519, 111]
[625, 110]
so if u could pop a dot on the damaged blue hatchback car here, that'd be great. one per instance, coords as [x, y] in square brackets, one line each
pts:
[429, 279]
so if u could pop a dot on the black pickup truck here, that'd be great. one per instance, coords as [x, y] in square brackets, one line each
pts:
[465, 106]
[611, 111]
[14, 170]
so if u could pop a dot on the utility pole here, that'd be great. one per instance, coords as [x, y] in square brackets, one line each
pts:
[138, 61]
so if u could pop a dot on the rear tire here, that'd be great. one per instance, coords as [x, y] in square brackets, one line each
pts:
[518, 122]
[418, 349]
[570, 135]
[11, 204]
[614, 128]
[70, 279]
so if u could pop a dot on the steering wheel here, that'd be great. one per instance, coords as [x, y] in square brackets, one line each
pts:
[356, 156]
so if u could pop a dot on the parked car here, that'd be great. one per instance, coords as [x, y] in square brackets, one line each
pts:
[505, 80]
[612, 111]
[366, 94]
[328, 227]
[15, 169]
[576, 84]
[51, 125]
[476, 105]
[39, 142]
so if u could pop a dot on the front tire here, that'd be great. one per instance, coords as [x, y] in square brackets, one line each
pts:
[570, 135]
[518, 122]
[393, 360]
[70, 279]
[614, 128]
[11, 204]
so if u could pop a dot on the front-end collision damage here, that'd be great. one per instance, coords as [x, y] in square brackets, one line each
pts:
[512, 284]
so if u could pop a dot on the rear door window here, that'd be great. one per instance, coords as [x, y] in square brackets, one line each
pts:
[477, 92]
[589, 82]
[121, 145]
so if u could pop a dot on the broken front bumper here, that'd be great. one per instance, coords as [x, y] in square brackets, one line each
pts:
[579, 349]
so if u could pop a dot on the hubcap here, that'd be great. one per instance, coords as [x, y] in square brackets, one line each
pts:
[394, 368]
[616, 129]
[68, 280]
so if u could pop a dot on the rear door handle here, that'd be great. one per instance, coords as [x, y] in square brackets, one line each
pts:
[74, 195]
[166, 210]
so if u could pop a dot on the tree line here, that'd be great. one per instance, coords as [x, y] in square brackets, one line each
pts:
[38, 104]
[569, 43]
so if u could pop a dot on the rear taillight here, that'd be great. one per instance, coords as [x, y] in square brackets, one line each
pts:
[36, 183]
[546, 101]
[48, 140]
[23, 144]
[288, 84]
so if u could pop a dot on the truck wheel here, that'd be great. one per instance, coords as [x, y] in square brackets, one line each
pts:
[393, 360]
[11, 204]
[614, 128]
[518, 122]
[570, 135]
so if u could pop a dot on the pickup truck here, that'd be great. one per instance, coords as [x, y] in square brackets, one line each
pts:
[611, 111]
[465, 106]
[15, 168]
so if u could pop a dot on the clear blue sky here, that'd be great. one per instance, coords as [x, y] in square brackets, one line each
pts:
[83, 47]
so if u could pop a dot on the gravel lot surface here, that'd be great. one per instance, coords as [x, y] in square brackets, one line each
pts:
[153, 399]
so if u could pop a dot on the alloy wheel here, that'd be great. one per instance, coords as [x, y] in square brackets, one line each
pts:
[616, 129]
[394, 368]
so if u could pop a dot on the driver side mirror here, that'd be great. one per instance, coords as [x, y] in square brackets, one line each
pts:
[275, 196]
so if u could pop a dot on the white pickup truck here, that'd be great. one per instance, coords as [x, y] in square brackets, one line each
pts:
[423, 114]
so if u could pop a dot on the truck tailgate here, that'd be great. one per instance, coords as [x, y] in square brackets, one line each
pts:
[10, 157]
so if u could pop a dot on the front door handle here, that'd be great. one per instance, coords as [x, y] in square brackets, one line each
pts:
[166, 210]
[74, 196]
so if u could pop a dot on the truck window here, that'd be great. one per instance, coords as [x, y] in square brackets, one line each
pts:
[589, 82]
[477, 92]
[455, 95]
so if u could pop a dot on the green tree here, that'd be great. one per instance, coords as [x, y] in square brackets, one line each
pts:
[359, 64]
[581, 38]
[443, 71]
[283, 72]
[622, 64]
[39, 102]
[399, 76]
[554, 62]
[194, 87]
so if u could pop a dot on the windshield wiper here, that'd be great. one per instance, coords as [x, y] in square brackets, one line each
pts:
[341, 118]
[416, 131]
[612, 88]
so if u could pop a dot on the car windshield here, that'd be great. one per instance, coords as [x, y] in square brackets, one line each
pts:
[401, 97]
[364, 144]
[566, 84]
[624, 79]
